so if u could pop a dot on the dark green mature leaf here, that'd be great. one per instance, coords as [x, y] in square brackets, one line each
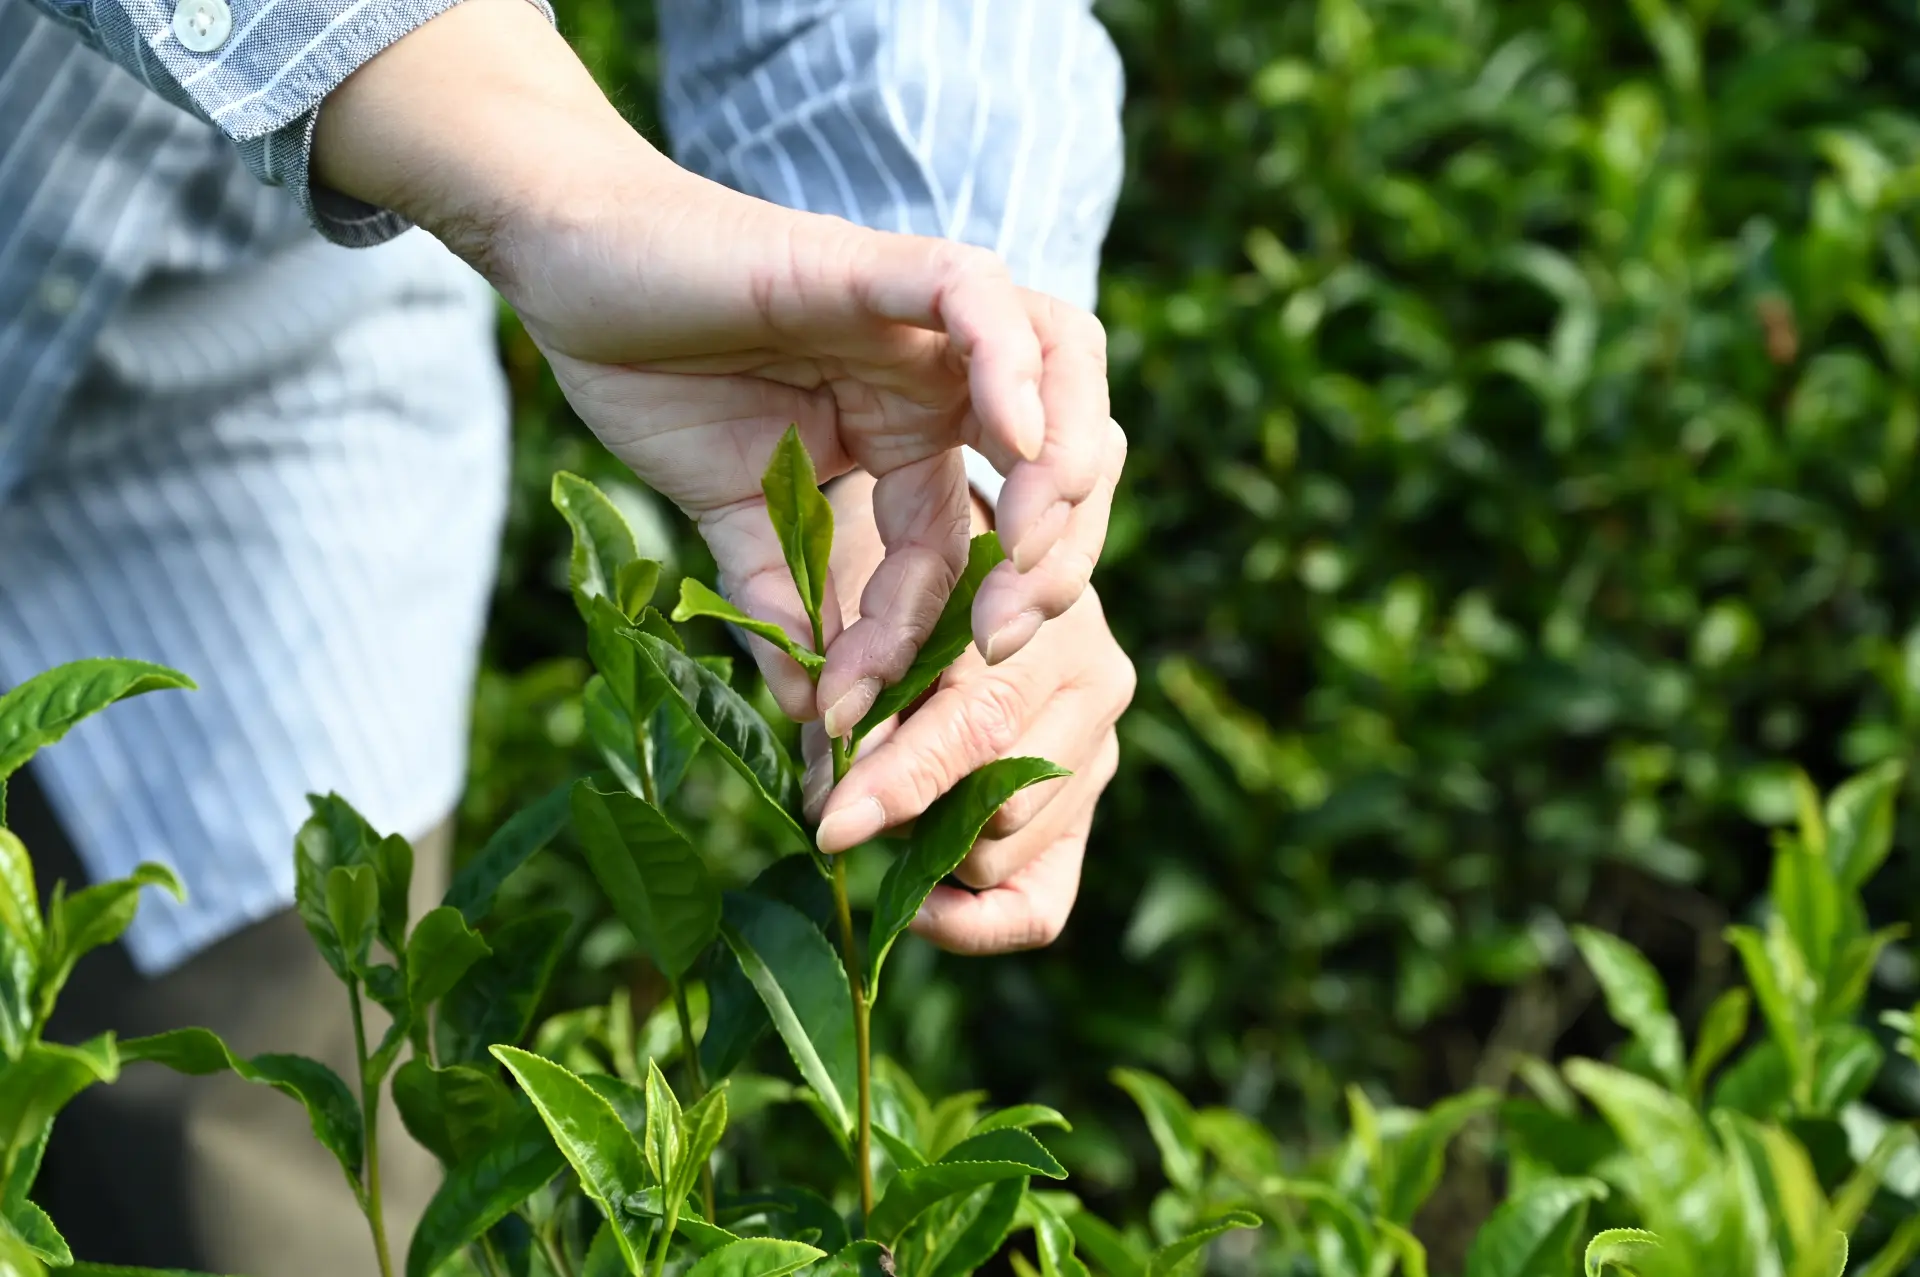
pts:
[655, 879]
[731, 726]
[804, 989]
[736, 1018]
[512, 845]
[38, 1084]
[1636, 999]
[22, 940]
[970, 1164]
[1170, 1257]
[628, 1100]
[613, 735]
[942, 837]
[756, 1257]
[334, 836]
[453, 1112]
[857, 1259]
[697, 599]
[1535, 1232]
[44, 708]
[392, 861]
[948, 638]
[496, 999]
[977, 1229]
[603, 544]
[1170, 1120]
[1055, 1241]
[330, 1106]
[676, 737]
[636, 687]
[1859, 819]
[439, 954]
[790, 1211]
[480, 1192]
[86, 920]
[594, 1140]
[803, 520]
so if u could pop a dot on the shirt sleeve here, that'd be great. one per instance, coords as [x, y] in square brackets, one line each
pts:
[257, 70]
[994, 122]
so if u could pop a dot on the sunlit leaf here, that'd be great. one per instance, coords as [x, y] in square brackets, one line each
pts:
[697, 600]
[656, 881]
[41, 710]
[803, 520]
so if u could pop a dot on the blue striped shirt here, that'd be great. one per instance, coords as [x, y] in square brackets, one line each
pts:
[255, 430]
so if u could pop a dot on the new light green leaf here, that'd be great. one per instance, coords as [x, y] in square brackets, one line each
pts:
[657, 882]
[977, 1229]
[44, 708]
[732, 727]
[89, 918]
[1721, 1029]
[496, 999]
[33, 1227]
[480, 1192]
[663, 1126]
[803, 520]
[1859, 819]
[863, 1258]
[1115, 1252]
[1170, 1120]
[592, 1138]
[37, 1085]
[1414, 1160]
[1535, 1231]
[1055, 1242]
[1636, 999]
[1619, 1249]
[454, 1112]
[942, 837]
[353, 907]
[22, 940]
[512, 845]
[334, 836]
[1021, 1117]
[440, 952]
[603, 544]
[700, 1129]
[1170, 1257]
[756, 1257]
[949, 637]
[331, 1107]
[697, 599]
[804, 989]
[980, 1160]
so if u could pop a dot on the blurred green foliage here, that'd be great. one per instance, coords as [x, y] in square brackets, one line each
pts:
[1523, 399]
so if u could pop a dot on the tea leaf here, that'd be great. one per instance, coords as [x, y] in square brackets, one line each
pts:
[512, 845]
[978, 1229]
[942, 837]
[1636, 999]
[1408, 1249]
[1770, 970]
[86, 920]
[38, 1084]
[334, 836]
[1020, 1117]
[1056, 1243]
[663, 1127]
[804, 988]
[902, 1150]
[654, 878]
[454, 1113]
[697, 599]
[353, 907]
[593, 1139]
[1169, 1257]
[949, 637]
[636, 686]
[32, 1226]
[44, 708]
[330, 1105]
[496, 999]
[613, 735]
[1721, 1029]
[736, 1018]
[1846, 1059]
[756, 1257]
[732, 726]
[1535, 1231]
[793, 1212]
[479, 1193]
[981, 1160]
[439, 954]
[392, 860]
[675, 736]
[634, 585]
[1170, 1122]
[1807, 898]
[22, 939]
[858, 1259]
[701, 1128]
[1663, 1132]
[603, 544]
[1112, 1250]
[1859, 820]
[803, 520]
[1898, 1252]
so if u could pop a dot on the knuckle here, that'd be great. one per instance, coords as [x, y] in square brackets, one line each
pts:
[1042, 928]
[993, 718]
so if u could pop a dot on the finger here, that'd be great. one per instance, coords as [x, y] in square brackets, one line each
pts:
[923, 514]
[966, 293]
[817, 780]
[755, 578]
[1040, 494]
[964, 726]
[1011, 606]
[1055, 806]
[1026, 912]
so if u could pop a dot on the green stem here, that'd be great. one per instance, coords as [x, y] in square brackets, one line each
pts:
[370, 1128]
[862, 1013]
[660, 1255]
[697, 1085]
[555, 1253]
[489, 1257]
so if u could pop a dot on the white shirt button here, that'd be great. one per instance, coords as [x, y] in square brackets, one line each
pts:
[201, 26]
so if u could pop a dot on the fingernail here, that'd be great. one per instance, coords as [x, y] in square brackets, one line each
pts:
[851, 826]
[845, 714]
[1012, 636]
[816, 785]
[1040, 536]
[1030, 431]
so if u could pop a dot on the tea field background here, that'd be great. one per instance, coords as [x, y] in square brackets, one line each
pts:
[1524, 398]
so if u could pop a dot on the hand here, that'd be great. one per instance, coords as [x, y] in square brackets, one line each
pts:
[690, 325]
[1057, 699]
